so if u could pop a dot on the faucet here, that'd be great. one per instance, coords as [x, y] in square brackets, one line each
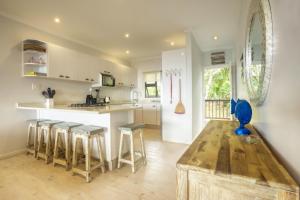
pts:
[134, 96]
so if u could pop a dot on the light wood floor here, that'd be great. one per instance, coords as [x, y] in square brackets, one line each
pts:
[23, 177]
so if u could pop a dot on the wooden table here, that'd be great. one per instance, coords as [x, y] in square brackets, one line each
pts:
[221, 165]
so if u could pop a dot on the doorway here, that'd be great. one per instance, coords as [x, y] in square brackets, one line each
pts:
[217, 92]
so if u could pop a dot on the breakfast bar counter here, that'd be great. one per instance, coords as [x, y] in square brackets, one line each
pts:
[98, 109]
[221, 165]
[109, 117]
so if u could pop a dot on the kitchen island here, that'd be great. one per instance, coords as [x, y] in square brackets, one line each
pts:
[109, 117]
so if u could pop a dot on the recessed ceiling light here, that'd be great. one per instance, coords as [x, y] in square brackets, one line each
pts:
[216, 37]
[56, 20]
[127, 52]
[172, 43]
[127, 35]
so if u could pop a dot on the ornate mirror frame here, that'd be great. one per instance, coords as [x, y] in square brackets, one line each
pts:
[263, 10]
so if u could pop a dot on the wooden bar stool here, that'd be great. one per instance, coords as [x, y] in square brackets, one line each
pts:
[62, 144]
[87, 134]
[32, 137]
[130, 130]
[45, 140]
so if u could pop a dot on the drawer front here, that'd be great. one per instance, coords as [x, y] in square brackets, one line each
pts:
[212, 187]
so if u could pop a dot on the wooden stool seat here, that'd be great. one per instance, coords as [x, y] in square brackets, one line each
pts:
[86, 134]
[132, 127]
[36, 121]
[66, 125]
[130, 130]
[50, 123]
[33, 135]
[62, 143]
[45, 139]
[90, 130]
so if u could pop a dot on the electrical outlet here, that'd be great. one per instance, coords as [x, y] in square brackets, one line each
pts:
[35, 86]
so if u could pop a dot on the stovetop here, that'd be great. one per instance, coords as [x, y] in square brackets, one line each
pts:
[81, 105]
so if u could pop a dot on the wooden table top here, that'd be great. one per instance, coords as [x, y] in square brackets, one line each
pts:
[218, 150]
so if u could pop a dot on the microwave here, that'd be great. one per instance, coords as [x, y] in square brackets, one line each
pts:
[106, 79]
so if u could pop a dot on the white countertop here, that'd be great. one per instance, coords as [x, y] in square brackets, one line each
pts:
[102, 109]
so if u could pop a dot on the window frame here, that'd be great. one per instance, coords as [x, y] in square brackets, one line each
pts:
[149, 85]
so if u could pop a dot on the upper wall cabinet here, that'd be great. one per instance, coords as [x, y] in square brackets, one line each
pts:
[63, 62]
[125, 76]
[54, 61]
[34, 58]
[88, 68]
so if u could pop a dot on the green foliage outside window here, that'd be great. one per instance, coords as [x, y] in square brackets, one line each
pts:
[217, 83]
[152, 84]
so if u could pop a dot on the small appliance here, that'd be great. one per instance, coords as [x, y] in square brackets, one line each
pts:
[107, 99]
[84, 105]
[105, 80]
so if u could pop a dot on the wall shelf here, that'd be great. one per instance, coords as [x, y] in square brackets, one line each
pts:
[34, 58]
[35, 64]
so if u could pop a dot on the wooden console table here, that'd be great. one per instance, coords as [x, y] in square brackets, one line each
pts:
[220, 165]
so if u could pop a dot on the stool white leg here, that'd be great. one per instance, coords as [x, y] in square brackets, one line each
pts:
[67, 148]
[132, 152]
[28, 135]
[74, 161]
[120, 149]
[48, 144]
[31, 139]
[143, 146]
[88, 159]
[40, 141]
[35, 140]
[100, 153]
[56, 145]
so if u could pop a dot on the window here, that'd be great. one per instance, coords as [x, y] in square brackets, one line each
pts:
[152, 84]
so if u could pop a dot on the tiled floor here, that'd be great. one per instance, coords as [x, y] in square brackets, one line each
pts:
[23, 177]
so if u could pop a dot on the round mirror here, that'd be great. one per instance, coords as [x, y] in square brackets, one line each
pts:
[258, 51]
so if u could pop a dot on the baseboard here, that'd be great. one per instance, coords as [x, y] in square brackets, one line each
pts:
[11, 154]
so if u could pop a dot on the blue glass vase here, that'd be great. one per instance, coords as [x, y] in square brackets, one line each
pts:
[243, 112]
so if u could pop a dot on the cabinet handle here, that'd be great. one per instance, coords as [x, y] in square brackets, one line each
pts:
[87, 79]
[67, 76]
[153, 106]
[61, 76]
[92, 80]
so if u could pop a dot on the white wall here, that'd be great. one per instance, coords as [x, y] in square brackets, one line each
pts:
[183, 128]
[278, 119]
[176, 127]
[14, 89]
[146, 65]
[194, 62]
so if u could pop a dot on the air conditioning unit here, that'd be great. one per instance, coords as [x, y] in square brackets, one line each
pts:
[217, 58]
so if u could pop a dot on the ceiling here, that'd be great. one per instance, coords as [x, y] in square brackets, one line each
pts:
[152, 24]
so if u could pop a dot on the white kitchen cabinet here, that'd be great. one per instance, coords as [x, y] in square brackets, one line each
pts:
[67, 64]
[151, 113]
[125, 76]
[158, 114]
[132, 77]
[138, 116]
[63, 62]
[88, 68]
